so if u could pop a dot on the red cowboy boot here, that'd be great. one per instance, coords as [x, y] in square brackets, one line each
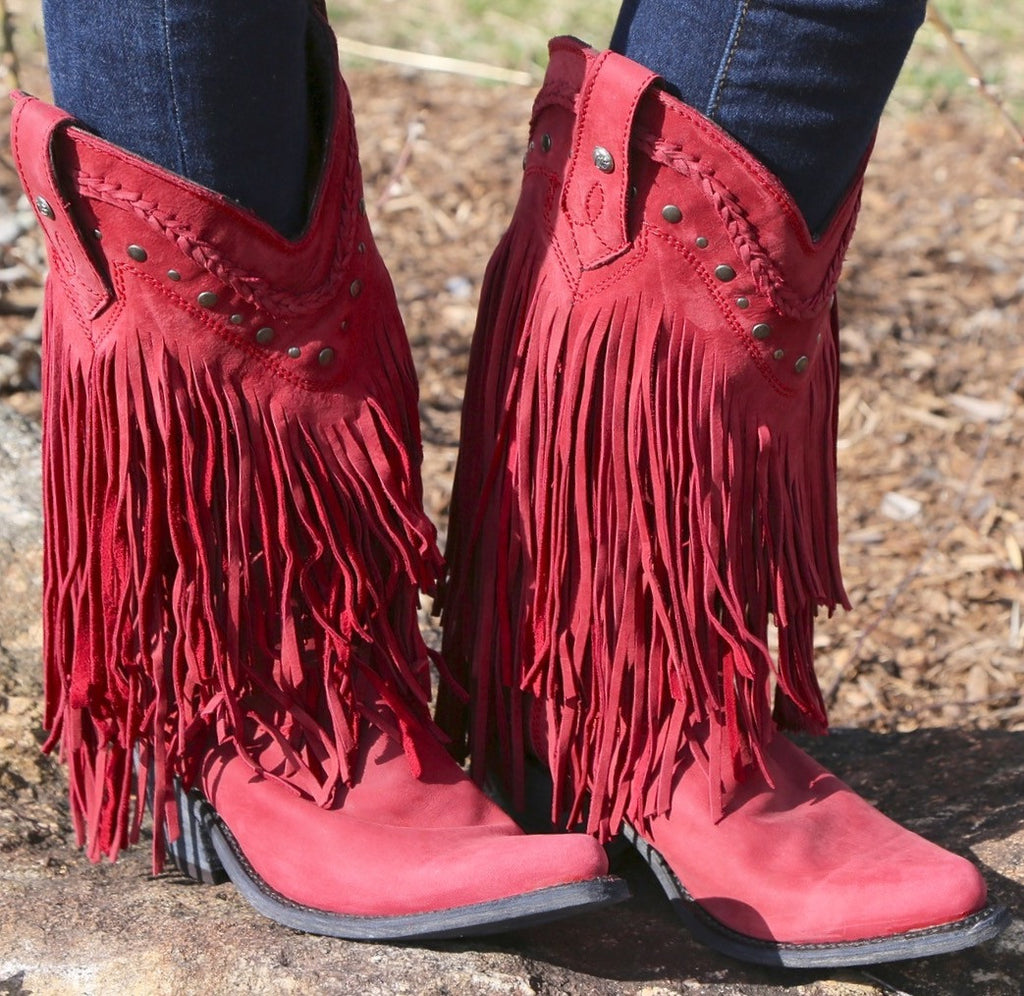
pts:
[645, 488]
[235, 543]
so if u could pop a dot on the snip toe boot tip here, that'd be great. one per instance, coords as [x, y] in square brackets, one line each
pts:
[211, 836]
[946, 938]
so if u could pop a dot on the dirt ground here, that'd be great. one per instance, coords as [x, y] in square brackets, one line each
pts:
[931, 422]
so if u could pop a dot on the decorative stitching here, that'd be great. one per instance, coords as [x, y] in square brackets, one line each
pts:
[245, 285]
[766, 370]
[743, 234]
[238, 340]
[613, 238]
[48, 183]
[767, 275]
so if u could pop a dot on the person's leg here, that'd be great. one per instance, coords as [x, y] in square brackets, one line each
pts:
[801, 83]
[234, 534]
[215, 92]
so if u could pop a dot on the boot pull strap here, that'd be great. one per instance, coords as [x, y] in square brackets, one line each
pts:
[34, 127]
[595, 198]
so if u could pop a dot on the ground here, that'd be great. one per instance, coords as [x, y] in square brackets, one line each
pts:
[931, 426]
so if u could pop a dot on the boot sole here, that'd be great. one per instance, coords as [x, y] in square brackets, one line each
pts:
[208, 852]
[943, 939]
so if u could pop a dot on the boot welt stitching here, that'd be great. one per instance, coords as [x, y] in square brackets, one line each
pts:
[212, 821]
[651, 855]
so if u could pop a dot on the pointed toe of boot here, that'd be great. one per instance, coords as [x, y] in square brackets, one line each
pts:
[572, 857]
[805, 873]
[919, 887]
[524, 862]
[396, 856]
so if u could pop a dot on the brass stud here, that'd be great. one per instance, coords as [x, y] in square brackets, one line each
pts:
[361, 248]
[138, 253]
[355, 288]
[264, 335]
[742, 302]
[545, 142]
[173, 275]
[603, 159]
[325, 356]
[671, 213]
[43, 206]
[294, 352]
[362, 205]
[779, 353]
[801, 364]
[97, 234]
[236, 319]
[344, 325]
[702, 243]
[207, 299]
[724, 272]
[761, 330]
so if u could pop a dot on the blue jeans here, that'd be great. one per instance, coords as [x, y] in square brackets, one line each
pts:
[800, 83]
[218, 91]
[224, 91]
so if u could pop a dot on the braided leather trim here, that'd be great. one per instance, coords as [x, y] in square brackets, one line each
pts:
[768, 276]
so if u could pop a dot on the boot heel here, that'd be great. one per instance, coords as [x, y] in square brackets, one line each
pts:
[193, 853]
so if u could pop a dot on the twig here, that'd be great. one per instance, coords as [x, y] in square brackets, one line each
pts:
[434, 63]
[975, 75]
[412, 134]
[888, 987]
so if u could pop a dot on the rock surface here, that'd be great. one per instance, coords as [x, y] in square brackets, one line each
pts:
[71, 928]
[21, 522]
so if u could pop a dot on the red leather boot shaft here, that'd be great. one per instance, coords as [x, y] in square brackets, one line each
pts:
[234, 524]
[646, 486]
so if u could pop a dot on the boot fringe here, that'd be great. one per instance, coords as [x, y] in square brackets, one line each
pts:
[609, 450]
[211, 570]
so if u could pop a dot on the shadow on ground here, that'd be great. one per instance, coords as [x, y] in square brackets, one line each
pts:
[71, 927]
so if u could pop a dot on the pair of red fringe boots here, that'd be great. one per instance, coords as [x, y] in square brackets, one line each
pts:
[235, 544]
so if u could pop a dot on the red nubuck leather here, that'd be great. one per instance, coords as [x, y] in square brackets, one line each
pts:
[234, 546]
[645, 492]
